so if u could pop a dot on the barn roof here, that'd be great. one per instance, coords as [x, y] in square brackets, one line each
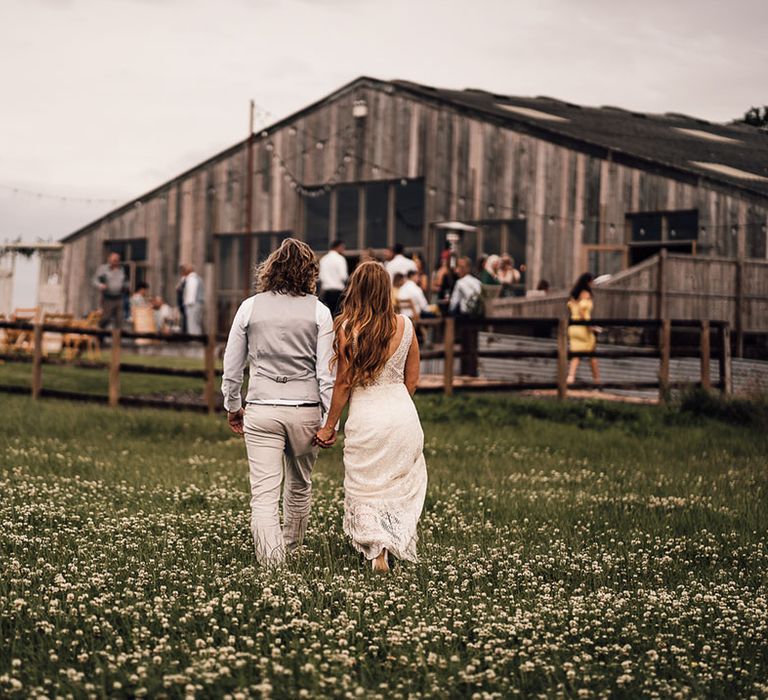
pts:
[677, 145]
[732, 154]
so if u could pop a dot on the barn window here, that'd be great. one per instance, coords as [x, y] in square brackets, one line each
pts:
[317, 220]
[133, 255]
[649, 232]
[376, 206]
[409, 213]
[347, 214]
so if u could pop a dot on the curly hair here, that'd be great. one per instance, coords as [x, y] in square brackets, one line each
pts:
[368, 322]
[291, 269]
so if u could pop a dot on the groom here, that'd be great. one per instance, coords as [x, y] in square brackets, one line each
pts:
[286, 334]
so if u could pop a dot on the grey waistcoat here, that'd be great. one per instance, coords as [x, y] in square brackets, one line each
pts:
[282, 348]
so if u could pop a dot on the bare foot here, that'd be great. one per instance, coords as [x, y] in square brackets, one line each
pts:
[380, 565]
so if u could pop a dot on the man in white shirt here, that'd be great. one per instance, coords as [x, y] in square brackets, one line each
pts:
[193, 297]
[286, 334]
[416, 303]
[333, 276]
[399, 262]
[466, 293]
[163, 314]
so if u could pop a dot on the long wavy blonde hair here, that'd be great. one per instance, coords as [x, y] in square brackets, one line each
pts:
[291, 269]
[368, 322]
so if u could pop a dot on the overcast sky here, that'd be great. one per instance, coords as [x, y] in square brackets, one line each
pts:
[109, 98]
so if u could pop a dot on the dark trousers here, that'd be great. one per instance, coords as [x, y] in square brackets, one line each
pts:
[332, 299]
[111, 312]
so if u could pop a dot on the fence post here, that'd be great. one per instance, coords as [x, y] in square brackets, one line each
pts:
[449, 335]
[726, 378]
[210, 371]
[705, 353]
[114, 368]
[562, 358]
[37, 360]
[665, 341]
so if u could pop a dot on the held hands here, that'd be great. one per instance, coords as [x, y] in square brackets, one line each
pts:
[325, 437]
[235, 420]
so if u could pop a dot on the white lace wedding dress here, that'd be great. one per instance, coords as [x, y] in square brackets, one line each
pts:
[385, 475]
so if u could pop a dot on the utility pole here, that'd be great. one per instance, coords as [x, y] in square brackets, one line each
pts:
[248, 199]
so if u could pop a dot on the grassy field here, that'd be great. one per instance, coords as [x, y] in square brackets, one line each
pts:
[95, 381]
[576, 550]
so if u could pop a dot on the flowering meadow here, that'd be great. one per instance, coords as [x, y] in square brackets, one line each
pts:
[573, 551]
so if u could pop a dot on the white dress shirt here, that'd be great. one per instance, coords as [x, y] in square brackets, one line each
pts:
[465, 292]
[333, 271]
[236, 358]
[410, 291]
[399, 264]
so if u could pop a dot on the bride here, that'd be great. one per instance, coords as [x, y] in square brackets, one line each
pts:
[385, 475]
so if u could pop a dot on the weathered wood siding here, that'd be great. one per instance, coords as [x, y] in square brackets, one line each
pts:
[473, 170]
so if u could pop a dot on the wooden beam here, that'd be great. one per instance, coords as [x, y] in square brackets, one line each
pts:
[114, 368]
[705, 354]
[661, 286]
[739, 315]
[37, 360]
[449, 338]
[562, 358]
[665, 342]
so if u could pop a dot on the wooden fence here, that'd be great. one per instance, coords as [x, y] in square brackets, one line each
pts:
[683, 287]
[114, 366]
[457, 341]
[466, 332]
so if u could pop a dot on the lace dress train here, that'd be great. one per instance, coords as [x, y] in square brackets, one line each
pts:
[385, 475]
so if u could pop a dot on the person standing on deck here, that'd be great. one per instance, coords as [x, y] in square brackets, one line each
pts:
[110, 279]
[193, 300]
[333, 276]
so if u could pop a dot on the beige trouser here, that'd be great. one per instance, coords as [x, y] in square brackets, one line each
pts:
[278, 440]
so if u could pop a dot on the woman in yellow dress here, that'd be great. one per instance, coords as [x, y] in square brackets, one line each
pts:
[582, 338]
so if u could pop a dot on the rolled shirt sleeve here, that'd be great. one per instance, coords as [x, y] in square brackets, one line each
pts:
[236, 358]
[324, 355]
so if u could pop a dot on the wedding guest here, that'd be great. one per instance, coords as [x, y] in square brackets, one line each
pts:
[582, 338]
[490, 274]
[542, 289]
[466, 293]
[397, 282]
[193, 299]
[163, 314]
[140, 296]
[399, 262]
[411, 292]
[110, 279]
[444, 278]
[422, 279]
[508, 275]
[333, 276]
[180, 299]
[369, 255]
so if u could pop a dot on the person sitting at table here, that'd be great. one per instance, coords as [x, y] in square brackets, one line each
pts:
[411, 298]
[163, 314]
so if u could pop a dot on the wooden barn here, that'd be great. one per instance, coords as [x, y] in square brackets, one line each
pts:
[561, 187]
